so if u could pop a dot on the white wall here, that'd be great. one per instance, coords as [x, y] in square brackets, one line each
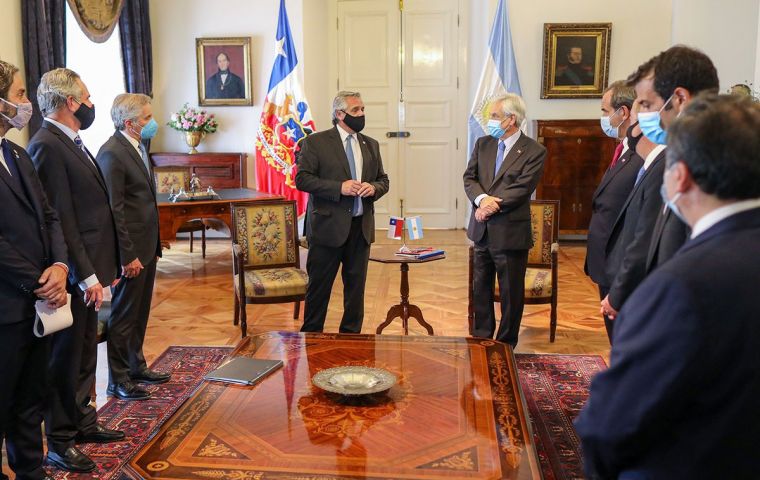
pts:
[12, 51]
[757, 53]
[633, 41]
[175, 25]
[726, 32]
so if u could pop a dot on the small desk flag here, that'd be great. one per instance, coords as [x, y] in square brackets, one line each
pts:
[395, 227]
[414, 227]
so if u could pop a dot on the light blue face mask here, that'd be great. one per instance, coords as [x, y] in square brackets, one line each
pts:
[671, 204]
[149, 130]
[651, 125]
[607, 127]
[494, 128]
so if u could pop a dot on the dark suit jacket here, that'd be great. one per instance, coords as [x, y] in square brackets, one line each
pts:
[514, 183]
[669, 234]
[628, 244]
[233, 87]
[322, 168]
[31, 239]
[133, 200]
[680, 397]
[75, 188]
[606, 204]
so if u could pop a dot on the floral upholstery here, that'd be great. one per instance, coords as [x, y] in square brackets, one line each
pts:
[265, 234]
[168, 177]
[541, 223]
[274, 282]
[538, 283]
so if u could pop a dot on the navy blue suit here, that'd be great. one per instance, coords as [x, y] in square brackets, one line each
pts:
[680, 398]
[31, 240]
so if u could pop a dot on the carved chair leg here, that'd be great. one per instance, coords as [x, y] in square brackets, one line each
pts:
[203, 241]
[192, 236]
[296, 310]
[237, 310]
[243, 318]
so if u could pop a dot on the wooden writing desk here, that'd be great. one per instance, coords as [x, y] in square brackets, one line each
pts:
[172, 215]
[457, 412]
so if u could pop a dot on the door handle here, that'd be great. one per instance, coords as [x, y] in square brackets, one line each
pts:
[580, 208]
[573, 208]
[397, 134]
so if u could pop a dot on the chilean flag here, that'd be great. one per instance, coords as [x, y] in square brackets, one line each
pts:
[395, 227]
[285, 121]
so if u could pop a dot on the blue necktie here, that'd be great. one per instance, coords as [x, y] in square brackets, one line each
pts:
[641, 173]
[358, 207]
[499, 158]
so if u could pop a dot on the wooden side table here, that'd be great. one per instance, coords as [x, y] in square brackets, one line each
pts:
[403, 310]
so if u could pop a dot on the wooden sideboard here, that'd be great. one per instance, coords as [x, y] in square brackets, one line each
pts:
[578, 153]
[220, 170]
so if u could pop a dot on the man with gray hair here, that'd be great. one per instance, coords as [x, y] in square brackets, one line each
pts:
[75, 188]
[503, 172]
[343, 172]
[132, 192]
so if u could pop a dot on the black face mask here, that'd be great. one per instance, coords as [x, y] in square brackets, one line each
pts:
[354, 123]
[86, 115]
[632, 141]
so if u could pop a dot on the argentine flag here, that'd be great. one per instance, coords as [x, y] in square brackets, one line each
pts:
[499, 75]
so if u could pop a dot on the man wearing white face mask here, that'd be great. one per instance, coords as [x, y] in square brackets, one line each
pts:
[77, 191]
[616, 184]
[503, 171]
[128, 174]
[32, 266]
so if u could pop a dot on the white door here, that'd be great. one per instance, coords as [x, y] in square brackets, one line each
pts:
[403, 58]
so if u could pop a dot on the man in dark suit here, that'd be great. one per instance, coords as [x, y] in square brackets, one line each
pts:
[680, 397]
[76, 190]
[224, 83]
[32, 256]
[677, 75]
[129, 177]
[615, 186]
[343, 172]
[504, 170]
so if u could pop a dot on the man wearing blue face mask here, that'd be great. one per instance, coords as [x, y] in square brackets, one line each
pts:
[616, 184]
[503, 171]
[129, 177]
[76, 189]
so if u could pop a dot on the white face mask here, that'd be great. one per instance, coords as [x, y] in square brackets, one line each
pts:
[24, 113]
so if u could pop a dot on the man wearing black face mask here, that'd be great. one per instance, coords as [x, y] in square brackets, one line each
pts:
[343, 172]
[615, 186]
[77, 190]
[32, 256]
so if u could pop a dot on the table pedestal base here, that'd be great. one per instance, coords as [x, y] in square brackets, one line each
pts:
[404, 310]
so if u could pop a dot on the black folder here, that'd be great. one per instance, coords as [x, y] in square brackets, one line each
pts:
[243, 370]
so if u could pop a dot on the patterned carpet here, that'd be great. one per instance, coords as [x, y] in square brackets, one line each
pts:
[555, 388]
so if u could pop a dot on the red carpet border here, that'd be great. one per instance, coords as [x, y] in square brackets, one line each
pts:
[555, 389]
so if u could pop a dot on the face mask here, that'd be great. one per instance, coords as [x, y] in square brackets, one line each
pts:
[632, 141]
[85, 114]
[671, 204]
[354, 123]
[23, 114]
[607, 127]
[651, 125]
[149, 130]
[495, 130]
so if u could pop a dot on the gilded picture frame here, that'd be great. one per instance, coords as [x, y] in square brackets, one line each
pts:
[576, 60]
[224, 71]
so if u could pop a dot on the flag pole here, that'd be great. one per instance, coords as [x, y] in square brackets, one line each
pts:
[403, 229]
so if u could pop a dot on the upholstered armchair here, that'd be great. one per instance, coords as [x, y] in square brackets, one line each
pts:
[171, 179]
[266, 263]
[541, 276]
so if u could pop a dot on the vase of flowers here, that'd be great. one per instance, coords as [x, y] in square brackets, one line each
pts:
[194, 123]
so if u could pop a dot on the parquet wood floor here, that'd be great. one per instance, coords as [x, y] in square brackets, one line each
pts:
[192, 302]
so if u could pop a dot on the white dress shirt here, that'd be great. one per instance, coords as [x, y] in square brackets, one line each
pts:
[722, 213]
[2, 157]
[508, 142]
[358, 160]
[134, 142]
[652, 155]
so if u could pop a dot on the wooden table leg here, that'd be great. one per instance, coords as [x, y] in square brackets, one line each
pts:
[404, 310]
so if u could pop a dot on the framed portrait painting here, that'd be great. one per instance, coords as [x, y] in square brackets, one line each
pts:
[576, 59]
[224, 71]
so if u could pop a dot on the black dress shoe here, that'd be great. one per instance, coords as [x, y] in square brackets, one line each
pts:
[150, 376]
[100, 434]
[72, 460]
[127, 391]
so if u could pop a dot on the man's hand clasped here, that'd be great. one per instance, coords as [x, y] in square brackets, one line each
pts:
[354, 188]
[53, 286]
[488, 206]
[132, 269]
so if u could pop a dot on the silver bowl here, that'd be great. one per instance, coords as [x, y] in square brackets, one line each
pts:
[354, 380]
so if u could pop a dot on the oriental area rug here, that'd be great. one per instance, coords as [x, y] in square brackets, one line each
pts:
[555, 388]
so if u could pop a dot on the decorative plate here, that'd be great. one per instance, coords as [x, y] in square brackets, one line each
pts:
[354, 380]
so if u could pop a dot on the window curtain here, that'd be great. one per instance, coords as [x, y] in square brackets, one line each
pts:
[136, 53]
[44, 38]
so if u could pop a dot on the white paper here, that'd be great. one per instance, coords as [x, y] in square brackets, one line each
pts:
[50, 320]
[106, 294]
